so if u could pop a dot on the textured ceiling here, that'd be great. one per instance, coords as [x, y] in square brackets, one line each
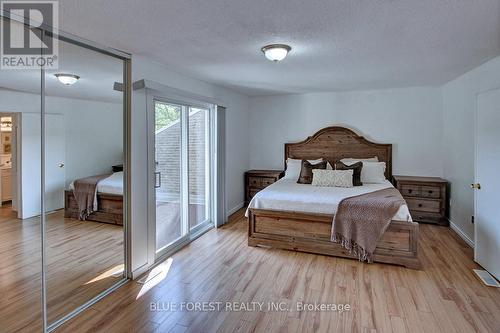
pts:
[337, 45]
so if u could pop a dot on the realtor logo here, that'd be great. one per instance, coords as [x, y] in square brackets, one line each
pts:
[25, 45]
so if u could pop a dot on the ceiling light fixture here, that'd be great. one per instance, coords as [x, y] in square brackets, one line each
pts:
[276, 52]
[67, 79]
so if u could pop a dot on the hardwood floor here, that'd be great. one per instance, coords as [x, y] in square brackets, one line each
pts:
[443, 297]
[83, 259]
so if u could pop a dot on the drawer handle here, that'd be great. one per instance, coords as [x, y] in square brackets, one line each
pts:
[430, 192]
[410, 190]
[419, 205]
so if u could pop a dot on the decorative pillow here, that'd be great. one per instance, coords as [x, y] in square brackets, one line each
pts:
[356, 168]
[306, 172]
[373, 172]
[293, 167]
[331, 178]
[350, 160]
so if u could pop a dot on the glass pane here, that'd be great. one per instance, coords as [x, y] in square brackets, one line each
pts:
[168, 173]
[20, 179]
[198, 166]
[83, 178]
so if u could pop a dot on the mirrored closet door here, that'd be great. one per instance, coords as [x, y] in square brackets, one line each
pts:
[63, 171]
[20, 197]
[84, 168]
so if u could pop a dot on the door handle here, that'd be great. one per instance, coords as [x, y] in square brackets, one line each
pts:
[475, 186]
[157, 179]
[61, 165]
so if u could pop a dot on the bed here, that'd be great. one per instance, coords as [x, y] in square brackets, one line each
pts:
[109, 197]
[299, 217]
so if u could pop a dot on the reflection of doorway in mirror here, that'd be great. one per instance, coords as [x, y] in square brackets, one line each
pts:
[5, 159]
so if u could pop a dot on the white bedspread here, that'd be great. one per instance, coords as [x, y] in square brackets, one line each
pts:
[109, 185]
[287, 195]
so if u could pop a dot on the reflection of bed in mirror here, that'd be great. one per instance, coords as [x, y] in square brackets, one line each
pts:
[109, 201]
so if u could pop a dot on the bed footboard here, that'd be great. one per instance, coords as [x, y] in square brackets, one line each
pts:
[306, 232]
[109, 208]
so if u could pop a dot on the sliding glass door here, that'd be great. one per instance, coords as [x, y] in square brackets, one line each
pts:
[181, 172]
[169, 226]
[198, 166]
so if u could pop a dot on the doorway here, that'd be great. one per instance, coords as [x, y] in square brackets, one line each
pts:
[19, 156]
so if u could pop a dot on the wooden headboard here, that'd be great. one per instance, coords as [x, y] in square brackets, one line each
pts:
[335, 143]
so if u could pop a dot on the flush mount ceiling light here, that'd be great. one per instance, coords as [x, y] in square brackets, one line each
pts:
[276, 52]
[67, 79]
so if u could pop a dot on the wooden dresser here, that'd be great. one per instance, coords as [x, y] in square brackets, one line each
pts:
[256, 180]
[426, 198]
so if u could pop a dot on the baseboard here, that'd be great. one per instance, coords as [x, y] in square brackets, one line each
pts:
[461, 234]
[234, 209]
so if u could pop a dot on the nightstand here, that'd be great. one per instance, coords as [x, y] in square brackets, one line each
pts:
[426, 198]
[256, 180]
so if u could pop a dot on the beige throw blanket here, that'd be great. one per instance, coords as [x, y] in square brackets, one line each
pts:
[85, 195]
[360, 221]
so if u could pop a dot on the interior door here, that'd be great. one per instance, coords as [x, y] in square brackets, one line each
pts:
[30, 170]
[487, 209]
[30, 164]
[55, 175]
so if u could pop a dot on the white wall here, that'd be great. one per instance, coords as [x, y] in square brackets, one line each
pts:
[94, 135]
[409, 118]
[459, 108]
[236, 146]
[94, 130]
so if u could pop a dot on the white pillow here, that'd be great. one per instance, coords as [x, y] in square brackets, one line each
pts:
[373, 173]
[332, 178]
[350, 161]
[293, 167]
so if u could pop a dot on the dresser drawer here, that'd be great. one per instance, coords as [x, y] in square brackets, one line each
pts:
[433, 206]
[410, 190]
[266, 181]
[426, 217]
[254, 181]
[430, 192]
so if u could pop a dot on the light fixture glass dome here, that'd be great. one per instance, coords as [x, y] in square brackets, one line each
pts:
[276, 52]
[67, 79]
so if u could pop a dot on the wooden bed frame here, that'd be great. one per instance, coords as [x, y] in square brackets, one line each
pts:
[310, 232]
[110, 208]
